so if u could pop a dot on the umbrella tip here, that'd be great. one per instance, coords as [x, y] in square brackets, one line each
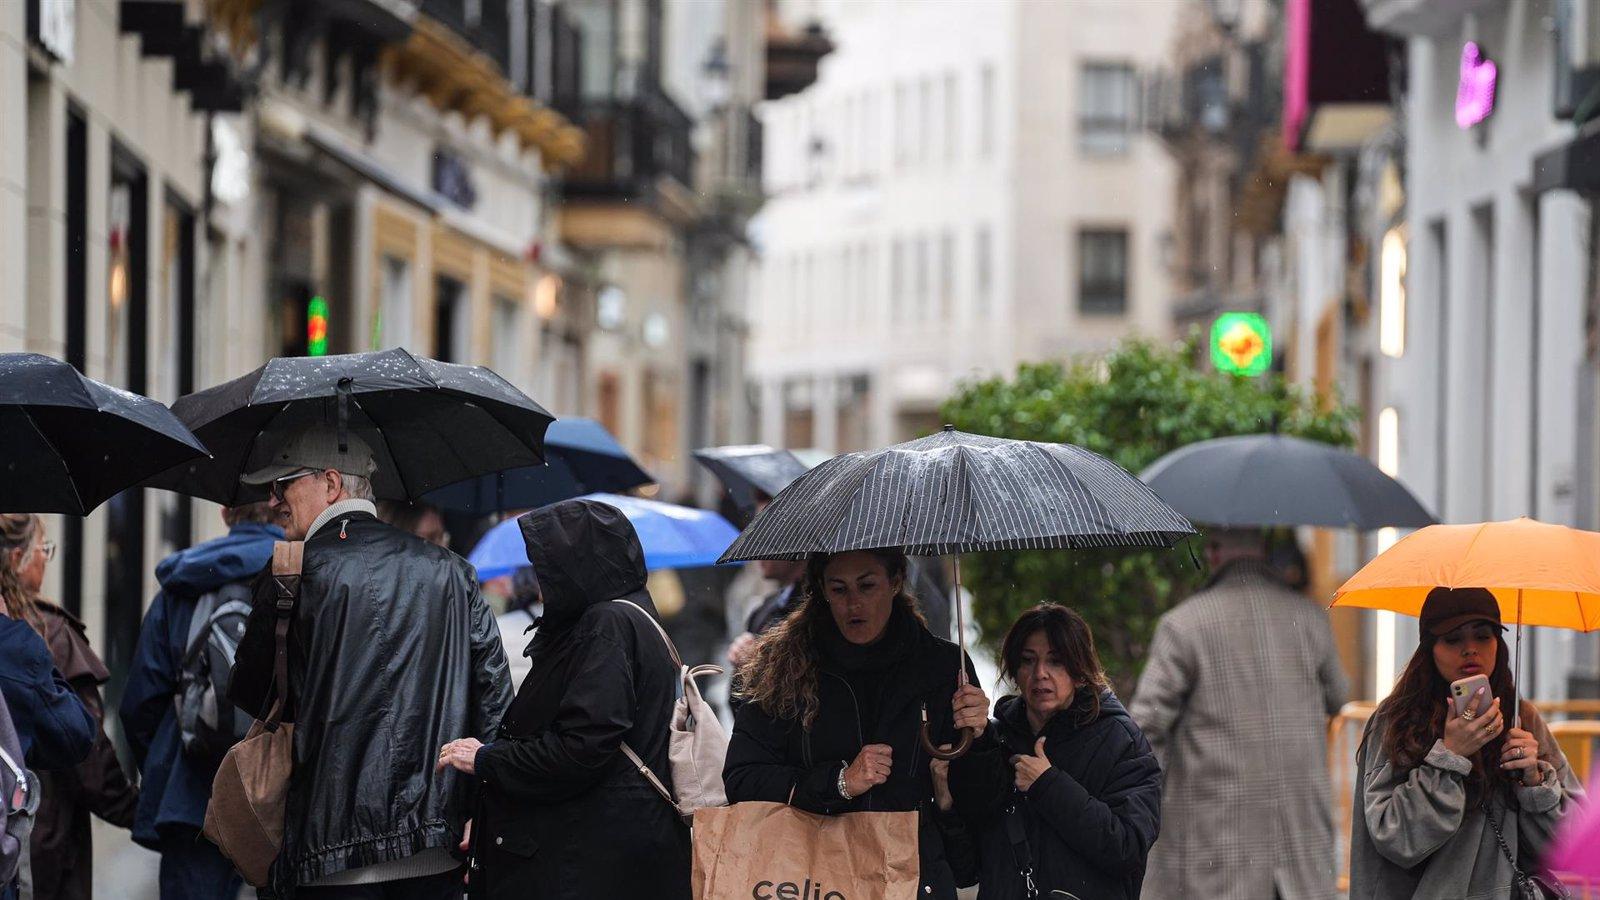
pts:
[949, 427]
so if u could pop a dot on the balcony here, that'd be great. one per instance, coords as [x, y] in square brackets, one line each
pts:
[792, 56]
[1420, 18]
[485, 24]
[638, 146]
[198, 67]
[1336, 77]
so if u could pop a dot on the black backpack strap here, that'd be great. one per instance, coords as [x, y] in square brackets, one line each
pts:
[1021, 853]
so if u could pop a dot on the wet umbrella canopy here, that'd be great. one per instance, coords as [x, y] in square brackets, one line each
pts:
[582, 458]
[960, 493]
[751, 469]
[429, 423]
[1265, 480]
[67, 442]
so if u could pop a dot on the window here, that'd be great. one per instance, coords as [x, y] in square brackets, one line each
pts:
[947, 274]
[1103, 272]
[902, 125]
[1106, 105]
[1392, 294]
[451, 325]
[986, 101]
[921, 273]
[392, 328]
[952, 118]
[983, 270]
[897, 280]
[925, 126]
[507, 334]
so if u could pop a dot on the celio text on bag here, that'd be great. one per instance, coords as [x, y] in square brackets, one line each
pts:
[788, 890]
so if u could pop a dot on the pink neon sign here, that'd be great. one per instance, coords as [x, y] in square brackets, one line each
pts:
[1475, 91]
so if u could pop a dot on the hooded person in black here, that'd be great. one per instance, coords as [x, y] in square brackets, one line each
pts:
[563, 814]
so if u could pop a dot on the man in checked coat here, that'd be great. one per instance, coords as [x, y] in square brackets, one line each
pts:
[1235, 701]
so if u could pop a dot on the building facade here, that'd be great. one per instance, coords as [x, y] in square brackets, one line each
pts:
[1483, 394]
[964, 188]
[202, 186]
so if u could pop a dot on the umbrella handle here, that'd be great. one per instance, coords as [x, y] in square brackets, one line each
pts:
[963, 744]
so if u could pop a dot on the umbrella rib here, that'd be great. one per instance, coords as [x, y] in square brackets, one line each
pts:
[72, 481]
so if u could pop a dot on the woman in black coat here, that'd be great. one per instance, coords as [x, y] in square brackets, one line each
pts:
[1067, 792]
[562, 813]
[835, 698]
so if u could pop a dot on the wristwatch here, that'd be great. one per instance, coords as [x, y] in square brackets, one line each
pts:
[844, 790]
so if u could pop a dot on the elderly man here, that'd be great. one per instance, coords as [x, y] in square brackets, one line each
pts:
[1235, 701]
[392, 652]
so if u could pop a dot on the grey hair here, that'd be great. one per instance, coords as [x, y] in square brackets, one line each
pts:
[357, 487]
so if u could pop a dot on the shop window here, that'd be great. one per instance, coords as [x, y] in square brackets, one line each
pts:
[452, 331]
[396, 309]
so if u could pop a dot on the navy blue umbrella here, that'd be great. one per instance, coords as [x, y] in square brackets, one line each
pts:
[583, 458]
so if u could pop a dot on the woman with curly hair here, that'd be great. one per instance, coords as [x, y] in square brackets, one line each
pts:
[835, 699]
[1458, 805]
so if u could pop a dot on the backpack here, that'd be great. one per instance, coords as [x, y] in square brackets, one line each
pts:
[208, 722]
[19, 799]
[696, 742]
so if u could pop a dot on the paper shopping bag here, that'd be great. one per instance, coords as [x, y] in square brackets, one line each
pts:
[770, 850]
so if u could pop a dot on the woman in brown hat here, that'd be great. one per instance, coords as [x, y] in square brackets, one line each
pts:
[1455, 804]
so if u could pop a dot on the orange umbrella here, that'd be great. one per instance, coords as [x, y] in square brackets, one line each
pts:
[1542, 574]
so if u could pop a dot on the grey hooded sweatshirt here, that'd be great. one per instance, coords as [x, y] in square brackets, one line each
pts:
[1413, 836]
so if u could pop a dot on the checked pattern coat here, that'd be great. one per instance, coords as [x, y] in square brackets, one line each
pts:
[1235, 699]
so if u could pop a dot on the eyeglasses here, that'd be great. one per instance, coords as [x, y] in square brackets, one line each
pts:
[276, 488]
[47, 549]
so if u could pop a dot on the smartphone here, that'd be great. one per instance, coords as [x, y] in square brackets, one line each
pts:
[1461, 693]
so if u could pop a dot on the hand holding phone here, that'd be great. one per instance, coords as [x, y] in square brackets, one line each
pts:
[1464, 695]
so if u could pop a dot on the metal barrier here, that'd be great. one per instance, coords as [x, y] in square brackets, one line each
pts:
[1575, 724]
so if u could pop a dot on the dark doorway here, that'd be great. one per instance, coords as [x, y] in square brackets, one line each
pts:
[77, 297]
[127, 322]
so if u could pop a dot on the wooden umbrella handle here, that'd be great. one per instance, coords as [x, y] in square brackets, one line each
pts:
[963, 744]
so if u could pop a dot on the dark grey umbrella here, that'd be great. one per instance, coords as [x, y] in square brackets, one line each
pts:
[1266, 480]
[960, 493]
[582, 457]
[67, 442]
[953, 492]
[748, 469]
[429, 423]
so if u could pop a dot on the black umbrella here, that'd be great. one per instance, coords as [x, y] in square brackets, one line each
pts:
[429, 423]
[748, 469]
[1265, 480]
[960, 493]
[67, 442]
[582, 457]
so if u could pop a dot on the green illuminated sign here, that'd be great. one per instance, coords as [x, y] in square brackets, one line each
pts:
[317, 327]
[1241, 343]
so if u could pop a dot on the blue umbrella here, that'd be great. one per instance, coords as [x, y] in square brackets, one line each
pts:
[582, 458]
[674, 537]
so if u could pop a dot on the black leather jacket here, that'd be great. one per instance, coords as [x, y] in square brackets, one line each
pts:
[393, 652]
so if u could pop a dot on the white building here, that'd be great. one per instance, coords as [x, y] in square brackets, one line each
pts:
[1480, 392]
[967, 186]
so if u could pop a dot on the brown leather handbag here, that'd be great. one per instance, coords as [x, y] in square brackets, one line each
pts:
[245, 816]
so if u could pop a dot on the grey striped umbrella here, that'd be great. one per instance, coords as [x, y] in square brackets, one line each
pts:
[954, 492]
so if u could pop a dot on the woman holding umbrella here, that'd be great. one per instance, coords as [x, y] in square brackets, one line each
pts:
[836, 697]
[1455, 800]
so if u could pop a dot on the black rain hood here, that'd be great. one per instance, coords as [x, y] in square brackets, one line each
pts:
[585, 552]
